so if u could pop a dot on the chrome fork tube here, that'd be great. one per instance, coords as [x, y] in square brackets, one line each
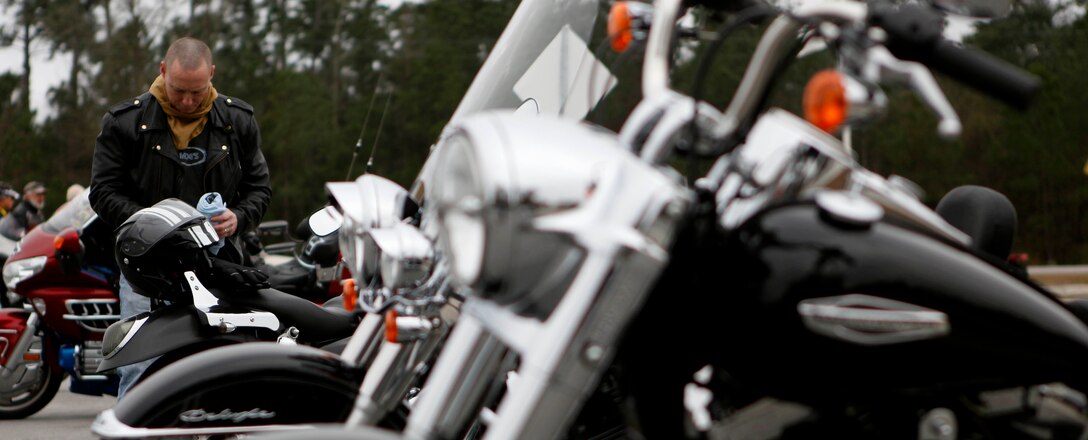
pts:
[466, 367]
[363, 344]
[391, 375]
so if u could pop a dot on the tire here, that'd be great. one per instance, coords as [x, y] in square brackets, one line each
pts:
[23, 405]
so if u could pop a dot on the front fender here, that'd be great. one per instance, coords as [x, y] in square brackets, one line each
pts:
[147, 335]
[238, 386]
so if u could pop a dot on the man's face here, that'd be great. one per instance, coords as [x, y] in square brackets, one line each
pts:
[186, 88]
[36, 198]
[7, 203]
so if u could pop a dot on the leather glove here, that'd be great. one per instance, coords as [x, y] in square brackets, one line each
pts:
[227, 275]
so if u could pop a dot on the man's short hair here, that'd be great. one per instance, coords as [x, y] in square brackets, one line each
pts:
[189, 52]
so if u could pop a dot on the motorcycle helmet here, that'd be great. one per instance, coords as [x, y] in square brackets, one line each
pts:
[156, 245]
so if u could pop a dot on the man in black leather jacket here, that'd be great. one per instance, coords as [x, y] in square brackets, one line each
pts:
[180, 139]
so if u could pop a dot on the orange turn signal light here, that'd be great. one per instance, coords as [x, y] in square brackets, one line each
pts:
[824, 102]
[351, 297]
[67, 241]
[619, 27]
[32, 357]
[391, 326]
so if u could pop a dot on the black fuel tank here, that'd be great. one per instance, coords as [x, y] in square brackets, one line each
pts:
[1000, 330]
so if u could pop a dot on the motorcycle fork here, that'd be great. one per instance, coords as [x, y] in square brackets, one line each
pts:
[462, 375]
[391, 374]
[560, 359]
[21, 372]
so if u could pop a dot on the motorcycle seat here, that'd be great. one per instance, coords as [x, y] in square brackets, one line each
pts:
[985, 215]
[316, 324]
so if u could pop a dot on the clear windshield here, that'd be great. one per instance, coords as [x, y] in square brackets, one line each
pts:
[74, 214]
[552, 58]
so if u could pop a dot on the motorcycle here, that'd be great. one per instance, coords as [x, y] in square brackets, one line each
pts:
[65, 276]
[214, 302]
[66, 282]
[289, 387]
[796, 273]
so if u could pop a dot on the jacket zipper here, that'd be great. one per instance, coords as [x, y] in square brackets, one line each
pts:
[209, 168]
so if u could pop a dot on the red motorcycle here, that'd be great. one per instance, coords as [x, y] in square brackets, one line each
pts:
[65, 275]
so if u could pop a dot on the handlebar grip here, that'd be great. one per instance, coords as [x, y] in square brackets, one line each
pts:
[914, 34]
[986, 73]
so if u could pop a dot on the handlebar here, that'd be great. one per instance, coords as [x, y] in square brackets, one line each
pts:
[914, 34]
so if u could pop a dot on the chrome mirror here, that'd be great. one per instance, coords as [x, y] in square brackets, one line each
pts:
[325, 221]
[372, 202]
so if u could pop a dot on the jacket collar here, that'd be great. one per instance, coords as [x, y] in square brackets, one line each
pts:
[154, 118]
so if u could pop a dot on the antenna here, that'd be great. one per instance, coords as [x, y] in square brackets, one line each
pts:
[374, 148]
[366, 121]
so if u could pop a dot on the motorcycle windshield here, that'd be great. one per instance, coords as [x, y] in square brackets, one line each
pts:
[76, 213]
[552, 58]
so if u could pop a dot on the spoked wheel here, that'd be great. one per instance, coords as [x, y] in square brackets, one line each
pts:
[23, 402]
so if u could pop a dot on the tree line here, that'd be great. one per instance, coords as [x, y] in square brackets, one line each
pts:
[317, 71]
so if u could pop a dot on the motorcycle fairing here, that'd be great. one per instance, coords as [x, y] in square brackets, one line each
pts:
[13, 323]
[234, 389]
[1002, 331]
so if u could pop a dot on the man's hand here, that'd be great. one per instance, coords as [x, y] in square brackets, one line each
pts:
[226, 223]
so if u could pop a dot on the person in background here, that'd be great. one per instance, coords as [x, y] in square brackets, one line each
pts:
[73, 191]
[181, 139]
[29, 212]
[8, 197]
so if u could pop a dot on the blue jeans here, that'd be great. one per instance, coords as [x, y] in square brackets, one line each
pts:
[132, 304]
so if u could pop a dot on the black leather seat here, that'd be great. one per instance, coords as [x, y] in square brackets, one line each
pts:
[316, 324]
[985, 215]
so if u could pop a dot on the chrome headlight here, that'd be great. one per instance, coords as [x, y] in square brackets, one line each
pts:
[367, 203]
[18, 271]
[406, 256]
[460, 198]
[495, 177]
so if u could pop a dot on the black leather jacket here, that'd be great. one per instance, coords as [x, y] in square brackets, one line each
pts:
[135, 163]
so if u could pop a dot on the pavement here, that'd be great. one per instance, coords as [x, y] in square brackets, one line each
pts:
[68, 416]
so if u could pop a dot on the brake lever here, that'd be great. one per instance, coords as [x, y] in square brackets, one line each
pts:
[882, 65]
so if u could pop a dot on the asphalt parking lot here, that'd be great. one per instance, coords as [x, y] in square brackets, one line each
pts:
[68, 416]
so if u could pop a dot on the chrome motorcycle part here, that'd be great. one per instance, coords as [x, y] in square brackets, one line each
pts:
[369, 202]
[938, 424]
[288, 337]
[325, 221]
[605, 204]
[93, 315]
[405, 255]
[848, 208]
[872, 320]
[510, 189]
[88, 357]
